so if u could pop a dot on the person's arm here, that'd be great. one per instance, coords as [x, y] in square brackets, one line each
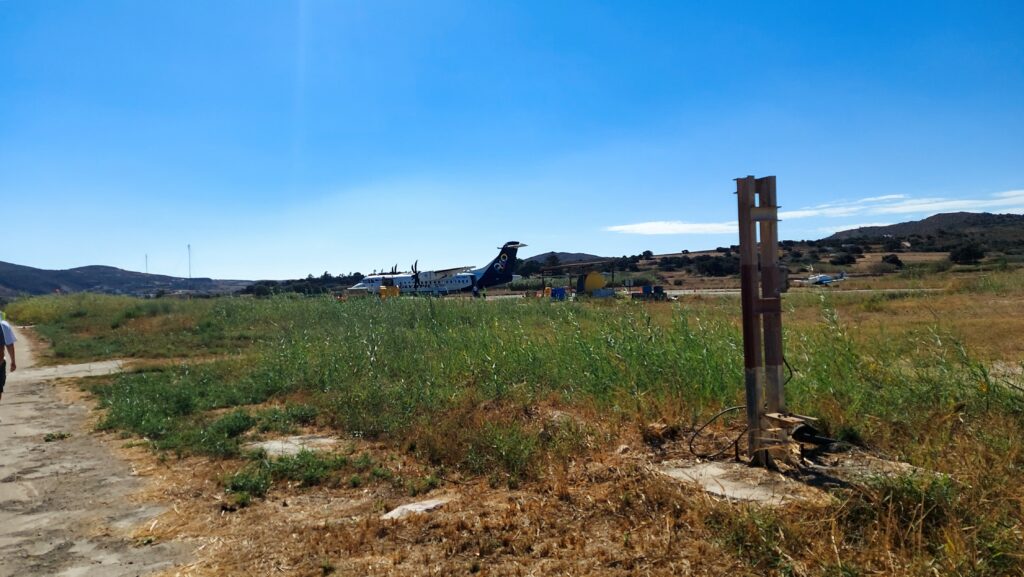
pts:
[14, 363]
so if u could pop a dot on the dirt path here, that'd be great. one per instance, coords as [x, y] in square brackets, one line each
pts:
[65, 506]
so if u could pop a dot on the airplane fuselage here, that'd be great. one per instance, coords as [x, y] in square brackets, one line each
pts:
[496, 272]
[429, 283]
[824, 279]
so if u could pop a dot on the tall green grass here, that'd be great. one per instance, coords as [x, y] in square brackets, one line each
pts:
[376, 368]
[457, 382]
[381, 363]
[86, 326]
[395, 369]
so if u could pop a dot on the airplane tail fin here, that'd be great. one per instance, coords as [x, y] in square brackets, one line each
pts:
[499, 270]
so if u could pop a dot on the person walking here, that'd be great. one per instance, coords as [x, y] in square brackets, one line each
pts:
[8, 344]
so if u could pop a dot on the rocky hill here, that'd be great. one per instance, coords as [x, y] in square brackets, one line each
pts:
[564, 257]
[943, 232]
[18, 280]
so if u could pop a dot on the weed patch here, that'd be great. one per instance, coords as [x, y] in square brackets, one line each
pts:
[285, 420]
[504, 451]
[307, 467]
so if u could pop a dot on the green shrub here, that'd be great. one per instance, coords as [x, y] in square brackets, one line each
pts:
[254, 479]
[970, 253]
[233, 424]
[504, 451]
[284, 420]
[307, 467]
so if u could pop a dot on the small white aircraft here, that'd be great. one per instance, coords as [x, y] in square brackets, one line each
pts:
[825, 279]
[452, 280]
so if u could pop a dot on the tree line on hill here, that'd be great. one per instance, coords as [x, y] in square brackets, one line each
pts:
[966, 237]
[311, 285]
[703, 264]
[961, 249]
[801, 255]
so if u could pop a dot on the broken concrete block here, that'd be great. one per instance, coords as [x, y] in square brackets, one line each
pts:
[417, 507]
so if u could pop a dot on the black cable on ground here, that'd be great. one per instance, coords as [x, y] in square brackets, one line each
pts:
[734, 443]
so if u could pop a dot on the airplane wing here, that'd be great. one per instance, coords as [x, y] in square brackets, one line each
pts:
[449, 271]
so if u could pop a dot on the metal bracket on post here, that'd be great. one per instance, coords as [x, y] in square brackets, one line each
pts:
[761, 286]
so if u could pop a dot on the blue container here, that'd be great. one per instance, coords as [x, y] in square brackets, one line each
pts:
[558, 294]
[647, 289]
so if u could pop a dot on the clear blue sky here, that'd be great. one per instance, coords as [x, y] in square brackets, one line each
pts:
[292, 137]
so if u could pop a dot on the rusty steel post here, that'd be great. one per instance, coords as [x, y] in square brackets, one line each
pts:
[761, 295]
[752, 375]
[771, 292]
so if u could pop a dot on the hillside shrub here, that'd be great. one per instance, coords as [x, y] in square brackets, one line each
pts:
[893, 260]
[842, 259]
[970, 253]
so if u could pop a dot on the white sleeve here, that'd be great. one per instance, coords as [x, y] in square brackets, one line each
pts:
[9, 338]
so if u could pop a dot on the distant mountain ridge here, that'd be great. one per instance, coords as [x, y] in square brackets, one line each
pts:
[941, 232]
[18, 279]
[564, 257]
[1001, 226]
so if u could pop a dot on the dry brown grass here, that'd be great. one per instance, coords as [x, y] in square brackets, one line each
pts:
[990, 325]
[591, 518]
[609, 515]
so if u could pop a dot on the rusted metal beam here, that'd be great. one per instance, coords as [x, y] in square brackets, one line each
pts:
[764, 213]
[771, 289]
[753, 377]
[761, 296]
[763, 306]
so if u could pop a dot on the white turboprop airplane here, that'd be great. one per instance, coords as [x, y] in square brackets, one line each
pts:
[452, 280]
[825, 279]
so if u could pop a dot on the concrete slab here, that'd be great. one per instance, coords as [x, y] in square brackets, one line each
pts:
[289, 446]
[39, 374]
[740, 482]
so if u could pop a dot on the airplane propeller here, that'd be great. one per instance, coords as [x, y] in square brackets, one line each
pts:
[415, 275]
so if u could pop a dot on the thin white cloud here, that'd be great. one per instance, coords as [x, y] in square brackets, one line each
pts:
[937, 205]
[1010, 201]
[902, 204]
[839, 209]
[882, 198]
[675, 227]
[831, 212]
[1010, 194]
